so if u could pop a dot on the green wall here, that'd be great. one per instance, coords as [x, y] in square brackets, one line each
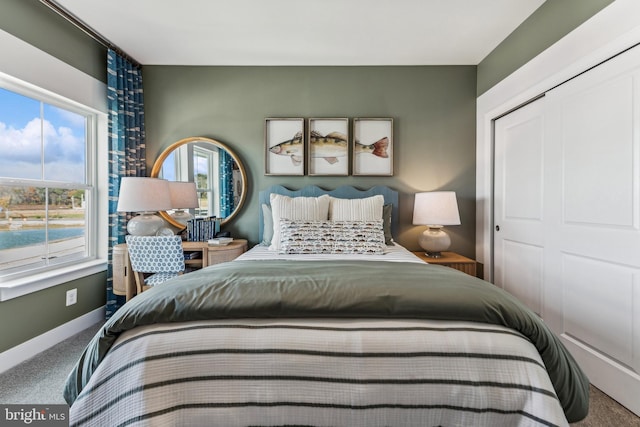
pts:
[548, 24]
[434, 125]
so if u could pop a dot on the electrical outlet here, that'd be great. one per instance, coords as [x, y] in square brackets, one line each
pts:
[72, 297]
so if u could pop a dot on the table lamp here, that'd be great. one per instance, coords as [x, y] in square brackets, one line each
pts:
[183, 196]
[145, 196]
[435, 209]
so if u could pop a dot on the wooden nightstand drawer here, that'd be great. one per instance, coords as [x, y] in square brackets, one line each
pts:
[214, 254]
[453, 260]
[220, 254]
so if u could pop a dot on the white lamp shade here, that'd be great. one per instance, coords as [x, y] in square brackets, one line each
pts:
[183, 195]
[436, 208]
[141, 194]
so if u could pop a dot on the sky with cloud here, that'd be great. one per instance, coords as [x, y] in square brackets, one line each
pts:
[29, 134]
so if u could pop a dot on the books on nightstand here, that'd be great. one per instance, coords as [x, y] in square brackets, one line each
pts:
[202, 229]
[192, 255]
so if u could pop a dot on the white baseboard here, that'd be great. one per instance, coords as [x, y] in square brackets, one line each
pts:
[25, 351]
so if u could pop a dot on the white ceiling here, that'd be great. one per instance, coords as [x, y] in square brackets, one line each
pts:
[304, 32]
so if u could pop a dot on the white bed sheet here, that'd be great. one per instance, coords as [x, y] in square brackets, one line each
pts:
[395, 253]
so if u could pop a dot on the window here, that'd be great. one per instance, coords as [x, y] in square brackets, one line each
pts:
[47, 187]
[27, 72]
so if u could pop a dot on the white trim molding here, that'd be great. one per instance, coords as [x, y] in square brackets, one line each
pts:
[611, 31]
[37, 282]
[28, 349]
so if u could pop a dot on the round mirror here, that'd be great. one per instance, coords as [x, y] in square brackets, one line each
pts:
[218, 174]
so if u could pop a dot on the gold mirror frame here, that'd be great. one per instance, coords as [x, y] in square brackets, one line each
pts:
[157, 166]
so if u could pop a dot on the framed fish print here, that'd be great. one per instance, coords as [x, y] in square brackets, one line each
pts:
[284, 146]
[373, 146]
[328, 146]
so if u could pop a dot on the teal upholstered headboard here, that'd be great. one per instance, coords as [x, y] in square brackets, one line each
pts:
[345, 192]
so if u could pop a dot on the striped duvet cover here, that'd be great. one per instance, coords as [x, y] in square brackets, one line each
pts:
[259, 342]
[322, 373]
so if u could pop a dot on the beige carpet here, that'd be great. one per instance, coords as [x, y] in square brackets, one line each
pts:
[606, 412]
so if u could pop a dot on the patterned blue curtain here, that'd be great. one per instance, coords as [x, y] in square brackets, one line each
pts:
[126, 149]
[225, 165]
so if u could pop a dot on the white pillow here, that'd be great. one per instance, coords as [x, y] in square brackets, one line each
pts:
[293, 208]
[368, 209]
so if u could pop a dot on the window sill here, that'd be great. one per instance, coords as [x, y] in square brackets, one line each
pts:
[26, 285]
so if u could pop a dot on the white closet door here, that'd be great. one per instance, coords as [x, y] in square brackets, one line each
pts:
[518, 204]
[592, 223]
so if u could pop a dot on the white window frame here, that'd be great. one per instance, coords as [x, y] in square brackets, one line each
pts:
[34, 71]
[212, 189]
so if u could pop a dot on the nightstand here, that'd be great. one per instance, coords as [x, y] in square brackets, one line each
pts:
[224, 253]
[213, 254]
[453, 260]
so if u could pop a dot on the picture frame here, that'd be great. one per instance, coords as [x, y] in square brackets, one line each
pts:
[373, 146]
[328, 146]
[284, 146]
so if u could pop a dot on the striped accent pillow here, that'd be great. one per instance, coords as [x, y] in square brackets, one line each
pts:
[331, 237]
[366, 209]
[295, 208]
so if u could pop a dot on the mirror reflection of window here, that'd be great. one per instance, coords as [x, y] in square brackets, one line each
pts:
[176, 166]
[205, 163]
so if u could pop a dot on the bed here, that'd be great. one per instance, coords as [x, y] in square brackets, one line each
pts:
[364, 335]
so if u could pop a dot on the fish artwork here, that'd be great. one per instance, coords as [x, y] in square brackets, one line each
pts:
[328, 147]
[291, 147]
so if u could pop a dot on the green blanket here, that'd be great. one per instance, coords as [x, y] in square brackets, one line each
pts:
[354, 289]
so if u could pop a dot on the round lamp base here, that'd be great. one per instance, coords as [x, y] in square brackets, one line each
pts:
[434, 240]
[181, 216]
[144, 224]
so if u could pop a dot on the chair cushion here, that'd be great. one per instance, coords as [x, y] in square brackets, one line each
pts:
[156, 279]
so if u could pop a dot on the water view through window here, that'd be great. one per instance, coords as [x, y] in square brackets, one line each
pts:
[43, 185]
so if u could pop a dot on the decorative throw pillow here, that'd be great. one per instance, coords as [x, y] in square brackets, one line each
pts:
[331, 237]
[295, 208]
[369, 208]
